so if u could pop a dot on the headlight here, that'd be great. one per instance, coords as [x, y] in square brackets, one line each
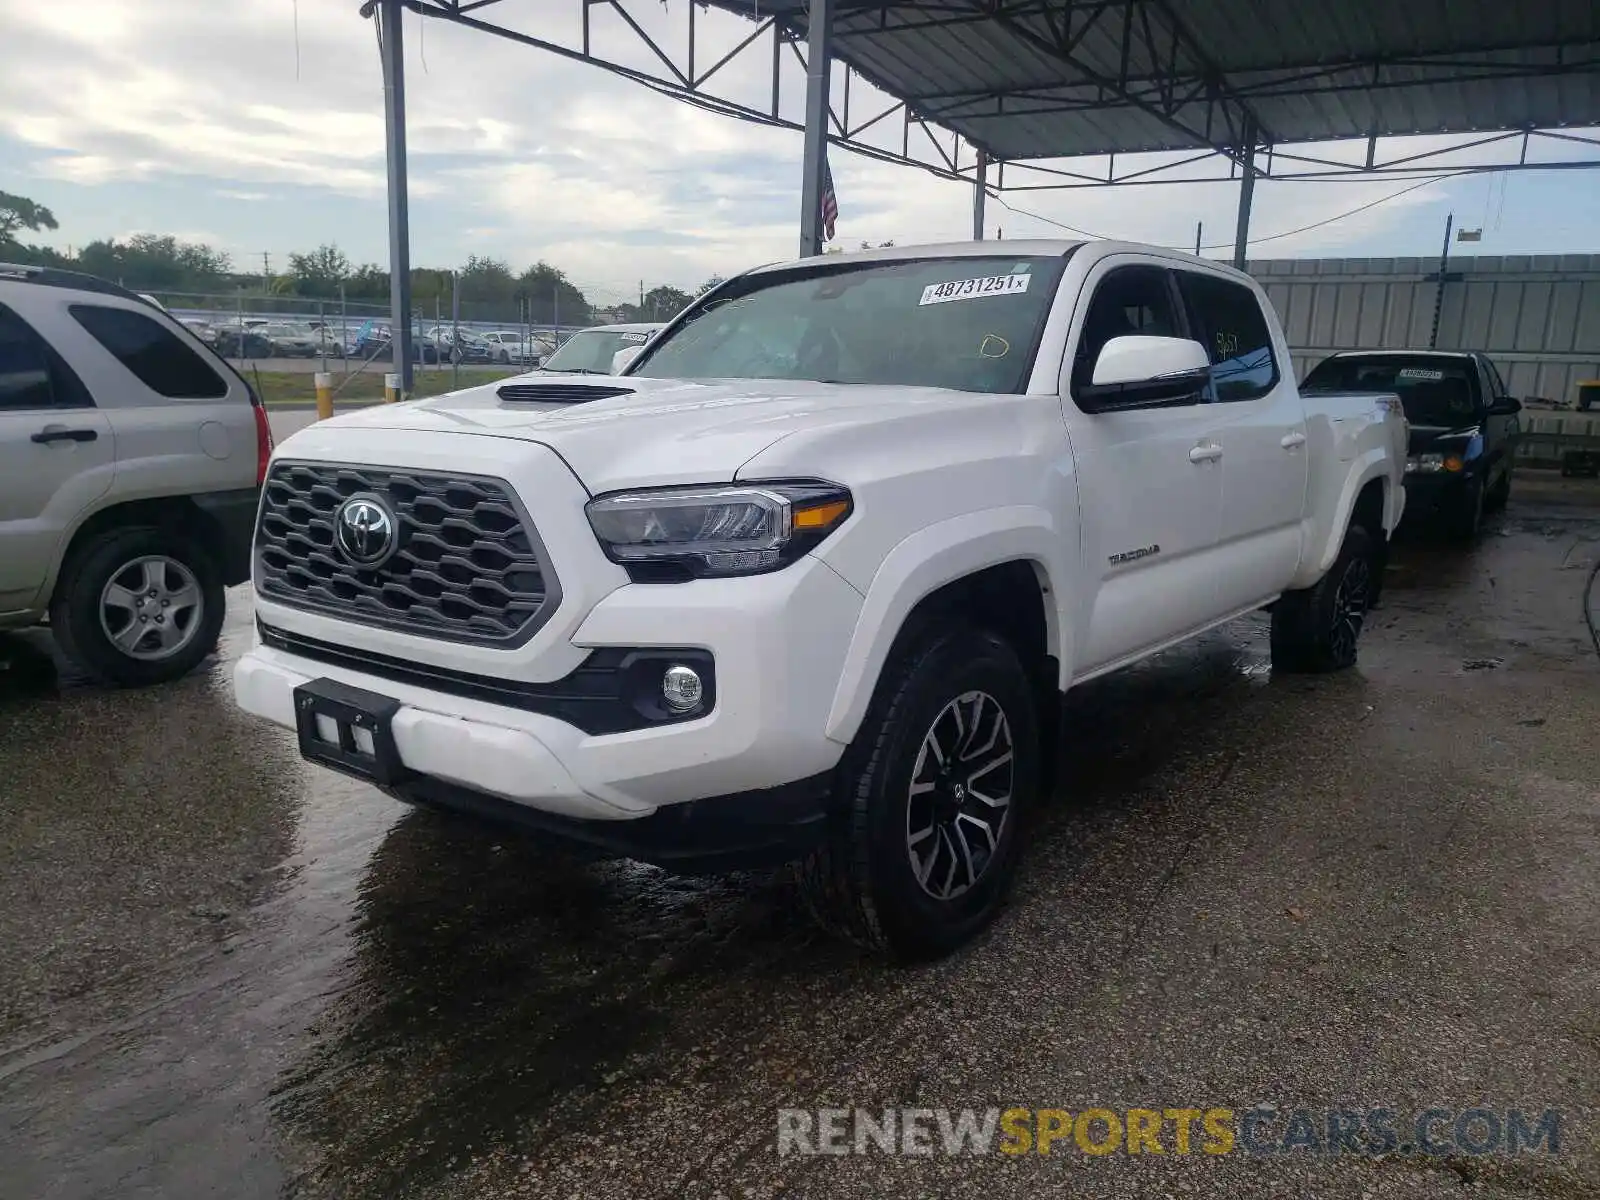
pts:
[1432, 464]
[673, 534]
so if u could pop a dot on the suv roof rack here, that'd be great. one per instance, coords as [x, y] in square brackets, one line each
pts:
[55, 277]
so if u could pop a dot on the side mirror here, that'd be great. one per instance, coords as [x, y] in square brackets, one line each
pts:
[1505, 406]
[1140, 371]
[621, 359]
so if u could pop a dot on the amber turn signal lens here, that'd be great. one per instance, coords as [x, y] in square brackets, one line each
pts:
[820, 516]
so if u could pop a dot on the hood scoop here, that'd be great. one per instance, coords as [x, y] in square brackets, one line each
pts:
[558, 393]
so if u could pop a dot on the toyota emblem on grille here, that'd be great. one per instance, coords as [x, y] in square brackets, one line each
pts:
[366, 531]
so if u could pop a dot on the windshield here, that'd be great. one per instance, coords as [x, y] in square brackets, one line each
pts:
[1432, 390]
[971, 324]
[591, 350]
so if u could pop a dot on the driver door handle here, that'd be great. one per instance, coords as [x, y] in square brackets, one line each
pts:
[60, 433]
[1293, 441]
[1205, 452]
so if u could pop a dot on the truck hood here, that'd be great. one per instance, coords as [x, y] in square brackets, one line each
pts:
[661, 431]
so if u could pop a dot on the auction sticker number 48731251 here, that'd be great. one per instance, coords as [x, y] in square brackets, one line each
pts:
[972, 289]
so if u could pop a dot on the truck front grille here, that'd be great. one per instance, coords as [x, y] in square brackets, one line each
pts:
[467, 567]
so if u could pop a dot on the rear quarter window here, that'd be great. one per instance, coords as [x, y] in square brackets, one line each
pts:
[152, 352]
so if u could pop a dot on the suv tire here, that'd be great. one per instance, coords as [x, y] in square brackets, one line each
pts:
[1465, 522]
[1500, 494]
[912, 865]
[99, 590]
[1315, 629]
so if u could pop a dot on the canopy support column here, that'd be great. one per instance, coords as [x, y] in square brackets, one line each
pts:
[1247, 193]
[819, 63]
[391, 51]
[979, 194]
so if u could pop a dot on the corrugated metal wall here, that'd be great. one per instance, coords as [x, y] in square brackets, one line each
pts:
[1538, 317]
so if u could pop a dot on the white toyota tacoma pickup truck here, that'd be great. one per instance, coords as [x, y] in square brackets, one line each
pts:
[806, 581]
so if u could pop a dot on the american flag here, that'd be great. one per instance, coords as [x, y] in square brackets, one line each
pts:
[830, 202]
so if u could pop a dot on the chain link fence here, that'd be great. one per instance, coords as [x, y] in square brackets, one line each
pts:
[266, 331]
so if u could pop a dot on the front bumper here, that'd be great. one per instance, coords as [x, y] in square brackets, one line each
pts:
[479, 736]
[778, 642]
[1439, 495]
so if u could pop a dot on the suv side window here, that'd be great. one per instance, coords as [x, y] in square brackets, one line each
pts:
[1229, 323]
[152, 352]
[1126, 301]
[32, 375]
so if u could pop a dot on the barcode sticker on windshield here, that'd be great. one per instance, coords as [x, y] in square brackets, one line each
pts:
[1426, 373]
[634, 337]
[972, 289]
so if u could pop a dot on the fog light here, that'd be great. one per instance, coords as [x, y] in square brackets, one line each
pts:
[681, 688]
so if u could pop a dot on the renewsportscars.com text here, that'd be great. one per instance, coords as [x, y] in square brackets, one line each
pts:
[1262, 1130]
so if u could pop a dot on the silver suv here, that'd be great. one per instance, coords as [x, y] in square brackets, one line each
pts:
[131, 460]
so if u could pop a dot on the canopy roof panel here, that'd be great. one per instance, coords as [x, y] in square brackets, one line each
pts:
[1031, 79]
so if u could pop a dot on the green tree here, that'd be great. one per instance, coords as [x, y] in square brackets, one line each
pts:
[551, 298]
[487, 283]
[18, 212]
[321, 272]
[155, 262]
[368, 282]
[663, 302]
[714, 281]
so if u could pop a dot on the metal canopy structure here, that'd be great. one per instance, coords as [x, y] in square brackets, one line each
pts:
[1028, 95]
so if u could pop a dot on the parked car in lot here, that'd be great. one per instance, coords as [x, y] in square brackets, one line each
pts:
[1464, 426]
[201, 329]
[509, 346]
[292, 341]
[460, 345]
[246, 341]
[130, 463]
[590, 351]
[807, 581]
[373, 340]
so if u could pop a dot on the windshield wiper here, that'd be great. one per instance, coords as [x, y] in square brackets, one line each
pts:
[572, 370]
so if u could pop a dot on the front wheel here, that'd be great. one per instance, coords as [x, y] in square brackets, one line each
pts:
[933, 793]
[1500, 494]
[1315, 629]
[1466, 521]
[138, 605]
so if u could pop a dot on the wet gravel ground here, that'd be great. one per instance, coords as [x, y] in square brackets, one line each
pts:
[223, 973]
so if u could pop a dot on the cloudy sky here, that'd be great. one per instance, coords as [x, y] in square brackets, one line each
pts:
[257, 125]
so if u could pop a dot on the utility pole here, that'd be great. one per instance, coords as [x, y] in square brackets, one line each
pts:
[1198, 226]
[266, 271]
[1438, 295]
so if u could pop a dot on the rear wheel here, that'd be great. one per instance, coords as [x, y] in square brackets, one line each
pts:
[1316, 629]
[138, 605]
[935, 788]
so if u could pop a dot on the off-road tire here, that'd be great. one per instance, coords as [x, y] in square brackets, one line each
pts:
[1307, 637]
[861, 883]
[75, 609]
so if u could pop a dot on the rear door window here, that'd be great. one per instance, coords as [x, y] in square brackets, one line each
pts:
[156, 355]
[32, 375]
[1228, 321]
